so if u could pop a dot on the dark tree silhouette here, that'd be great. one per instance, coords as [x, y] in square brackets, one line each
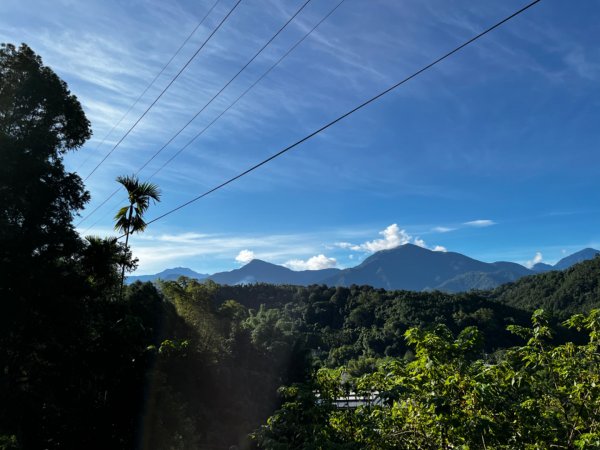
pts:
[40, 120]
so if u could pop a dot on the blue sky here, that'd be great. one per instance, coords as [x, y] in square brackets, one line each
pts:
[493, 153]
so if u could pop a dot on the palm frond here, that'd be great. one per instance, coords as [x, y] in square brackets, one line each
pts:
[130, 218]
[137, 224]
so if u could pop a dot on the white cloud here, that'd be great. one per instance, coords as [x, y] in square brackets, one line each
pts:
[536, 259]
[183, 238]
[245, 256]
[392, 238]
[440, 248]
[157, 251]
[347, 245]
[420, 242]
[317, 262]
[443, 229]
[480, 223]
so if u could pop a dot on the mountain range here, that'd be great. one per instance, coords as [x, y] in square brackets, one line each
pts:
[407, 267]
[169, 274]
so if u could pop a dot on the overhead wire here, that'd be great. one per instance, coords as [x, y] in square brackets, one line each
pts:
[226, 85]
[258, 80]
[156, 77]
[346, 114]
[214, 97]
[164, 90]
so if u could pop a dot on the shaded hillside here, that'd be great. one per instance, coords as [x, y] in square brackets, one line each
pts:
[563, 293]
[542, 267]
[415, 268]
[481, 281]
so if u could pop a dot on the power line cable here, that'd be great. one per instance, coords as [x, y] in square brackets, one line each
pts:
[226, 85]
[156, 77]
[164, 90]
[210, 102]
[258, 80]
[343, 116]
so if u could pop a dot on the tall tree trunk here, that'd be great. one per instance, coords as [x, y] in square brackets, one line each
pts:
[126, 243]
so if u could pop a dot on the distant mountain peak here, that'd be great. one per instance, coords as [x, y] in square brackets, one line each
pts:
[259, 262]
[168, 274]
[408, 247]
[577, 257]
[262, 271]
[407, 266]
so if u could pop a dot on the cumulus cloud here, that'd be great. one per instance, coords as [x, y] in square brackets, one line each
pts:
[393, 237]
[480, 223]
[536, 259]
[420, 242]
[245, 256]
[317, 262]
[440, 248]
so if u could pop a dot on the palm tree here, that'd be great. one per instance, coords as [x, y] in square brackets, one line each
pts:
[130, 218]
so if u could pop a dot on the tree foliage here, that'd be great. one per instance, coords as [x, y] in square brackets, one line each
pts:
[130, 218]
[40, 120]
[536, 396]
[561, 293]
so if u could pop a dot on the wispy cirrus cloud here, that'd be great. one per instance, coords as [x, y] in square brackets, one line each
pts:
[442, 229]
[480, 223]
[213, 252]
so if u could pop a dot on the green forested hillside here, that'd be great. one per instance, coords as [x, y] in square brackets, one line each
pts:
[562, 293]
[295, 330]
[537, 395]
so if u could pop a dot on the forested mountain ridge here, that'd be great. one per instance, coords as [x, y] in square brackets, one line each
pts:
[407, 267]
[562, 293]
[411, 267]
